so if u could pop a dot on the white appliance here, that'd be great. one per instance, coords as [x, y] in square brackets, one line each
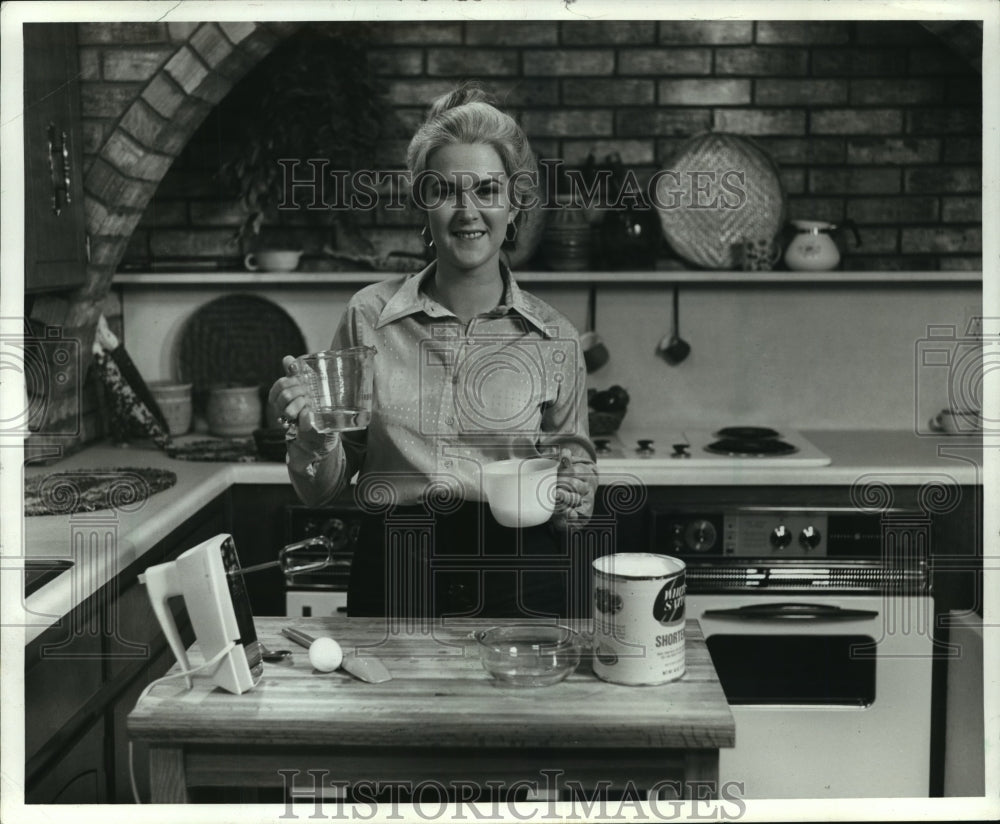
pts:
[210, 580]
[820, 624]
[831, 693]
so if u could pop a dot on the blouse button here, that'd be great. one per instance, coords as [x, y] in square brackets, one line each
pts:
[449, 420]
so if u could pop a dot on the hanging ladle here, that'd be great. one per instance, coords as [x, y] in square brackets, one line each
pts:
[673, 348]
[595, 353]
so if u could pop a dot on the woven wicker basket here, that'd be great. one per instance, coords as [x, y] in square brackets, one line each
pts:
[737, 195]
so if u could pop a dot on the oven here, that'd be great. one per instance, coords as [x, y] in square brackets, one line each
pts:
[323, 592]
[819, 621]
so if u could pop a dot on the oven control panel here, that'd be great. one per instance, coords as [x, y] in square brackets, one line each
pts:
[764, 535]
[742, 534]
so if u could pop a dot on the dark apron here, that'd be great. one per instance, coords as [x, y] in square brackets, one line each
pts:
[412, 564]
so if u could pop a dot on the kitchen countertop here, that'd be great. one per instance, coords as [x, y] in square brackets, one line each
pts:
[896, 456]
[440, 717]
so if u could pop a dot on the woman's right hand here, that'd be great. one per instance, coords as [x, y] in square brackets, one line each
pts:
[289, 400]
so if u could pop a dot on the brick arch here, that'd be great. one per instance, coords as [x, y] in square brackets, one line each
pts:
[151, 132]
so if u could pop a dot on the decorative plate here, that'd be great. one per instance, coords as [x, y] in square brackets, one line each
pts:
[236, 340]
[718, 190]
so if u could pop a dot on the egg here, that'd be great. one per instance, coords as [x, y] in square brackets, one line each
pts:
[325, 654]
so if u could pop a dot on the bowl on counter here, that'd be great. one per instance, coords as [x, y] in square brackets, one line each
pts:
[174, 400]
[526, 655]
[270, 443]
[234, 411]
[604, 423]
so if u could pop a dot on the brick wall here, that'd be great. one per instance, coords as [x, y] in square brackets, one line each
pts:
[879, 122]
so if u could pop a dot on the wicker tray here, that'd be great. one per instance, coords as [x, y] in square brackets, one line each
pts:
[707, 237]
[236, 340]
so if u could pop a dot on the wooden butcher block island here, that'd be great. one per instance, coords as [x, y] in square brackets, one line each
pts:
[441, 718]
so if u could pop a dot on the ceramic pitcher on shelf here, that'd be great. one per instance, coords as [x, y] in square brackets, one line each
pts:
[813, 247]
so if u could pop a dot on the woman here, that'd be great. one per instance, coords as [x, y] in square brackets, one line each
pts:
[469, 370]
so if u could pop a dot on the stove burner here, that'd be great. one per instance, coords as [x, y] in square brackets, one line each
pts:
[751, 448]
[747, 432]
[602, 446]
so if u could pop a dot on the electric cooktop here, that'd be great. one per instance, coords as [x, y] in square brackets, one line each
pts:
[724, 447]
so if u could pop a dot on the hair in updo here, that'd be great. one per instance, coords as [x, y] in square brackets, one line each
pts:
[470, 115]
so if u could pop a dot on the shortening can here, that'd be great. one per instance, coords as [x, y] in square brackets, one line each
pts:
[639, 618]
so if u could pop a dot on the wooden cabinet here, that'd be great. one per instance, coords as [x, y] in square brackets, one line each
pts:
[55, 248]
[79, 775]
[84, 674]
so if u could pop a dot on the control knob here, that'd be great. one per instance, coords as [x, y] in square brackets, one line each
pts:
[780, 537]
[700, 535]
[810, 537]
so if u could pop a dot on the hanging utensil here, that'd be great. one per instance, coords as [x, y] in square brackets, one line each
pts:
[595, 353]
[672, 348]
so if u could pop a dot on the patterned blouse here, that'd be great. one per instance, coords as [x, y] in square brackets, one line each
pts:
[450, 396]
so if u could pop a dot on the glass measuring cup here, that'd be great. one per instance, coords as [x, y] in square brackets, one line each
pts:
[340, 387]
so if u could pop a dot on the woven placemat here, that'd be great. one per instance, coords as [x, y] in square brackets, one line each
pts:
[88, 490]
[720, 189]
[236, 340]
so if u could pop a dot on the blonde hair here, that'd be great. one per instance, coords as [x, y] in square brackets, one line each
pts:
[468, 114]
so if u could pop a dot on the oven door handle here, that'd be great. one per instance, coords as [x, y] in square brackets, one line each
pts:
[791, 612]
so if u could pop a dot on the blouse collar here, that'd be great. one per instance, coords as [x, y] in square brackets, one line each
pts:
[410, 298]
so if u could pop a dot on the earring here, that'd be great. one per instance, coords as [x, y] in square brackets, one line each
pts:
[428, 241]
[508, 235]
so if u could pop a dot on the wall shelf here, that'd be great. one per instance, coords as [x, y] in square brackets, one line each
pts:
[294, 279]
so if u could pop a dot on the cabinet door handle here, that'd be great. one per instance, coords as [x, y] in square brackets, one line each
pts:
[56, 207]
[60, 180]
[792, 612]
[67, 183]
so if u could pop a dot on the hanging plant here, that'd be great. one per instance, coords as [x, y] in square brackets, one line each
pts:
[313, 97]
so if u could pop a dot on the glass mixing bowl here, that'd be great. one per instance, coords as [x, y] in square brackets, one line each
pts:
[524, 655]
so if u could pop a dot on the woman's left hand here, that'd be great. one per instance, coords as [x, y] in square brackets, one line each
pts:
[575, 488]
